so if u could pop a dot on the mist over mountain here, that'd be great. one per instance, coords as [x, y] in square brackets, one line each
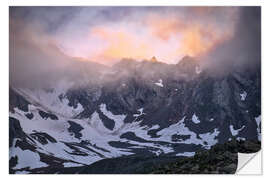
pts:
[243, 51]
[37, 57]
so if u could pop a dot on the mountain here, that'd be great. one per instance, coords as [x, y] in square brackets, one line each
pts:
[134, 108]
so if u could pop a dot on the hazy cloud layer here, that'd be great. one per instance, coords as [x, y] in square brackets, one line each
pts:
[44, 40]
[241, 51]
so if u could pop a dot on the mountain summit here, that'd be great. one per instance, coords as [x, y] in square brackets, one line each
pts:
[153, 59]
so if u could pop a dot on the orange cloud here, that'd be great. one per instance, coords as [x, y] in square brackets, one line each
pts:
[164, 27]
[121, 43]
[167, 37]
[196, 38]
[195, 41]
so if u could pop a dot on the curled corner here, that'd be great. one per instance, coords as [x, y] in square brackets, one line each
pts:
[249, 164]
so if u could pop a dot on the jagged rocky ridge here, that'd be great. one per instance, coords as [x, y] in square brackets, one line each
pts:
[143, 108]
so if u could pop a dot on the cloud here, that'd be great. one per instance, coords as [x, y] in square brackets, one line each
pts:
[36, 61]
[45, 40]
[243, 51]
[106, 35]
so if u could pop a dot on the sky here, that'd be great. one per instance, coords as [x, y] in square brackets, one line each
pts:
[107, 34]
[43, 40]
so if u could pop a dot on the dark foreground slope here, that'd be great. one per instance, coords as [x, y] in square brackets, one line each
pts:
[220, 159]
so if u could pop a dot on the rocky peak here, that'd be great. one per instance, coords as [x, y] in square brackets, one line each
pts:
[188, 64]
[125, 63]
[153, 59]
[187, 61]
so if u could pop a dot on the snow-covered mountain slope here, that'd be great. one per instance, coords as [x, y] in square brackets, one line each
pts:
[175, 111]
[52, 100]
[84, 141]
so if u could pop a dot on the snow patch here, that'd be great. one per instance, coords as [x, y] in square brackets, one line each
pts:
[140, 113]
[240, 139]
[22, 172]
[243, 96]
[210, 138]
[258, 122]
[71, 164]
[26, 158]
[118, 119]
[187, 154]
[97, 123]
[159, 83]
[198, 70]
[235, 132]
[195, 119]
[180, 129]
[50, 100]
[154, 127]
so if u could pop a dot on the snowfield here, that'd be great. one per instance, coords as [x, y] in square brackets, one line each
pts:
[26, 158]
[97, 142]
[50, 100]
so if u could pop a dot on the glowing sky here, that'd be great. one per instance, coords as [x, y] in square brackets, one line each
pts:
[107, 34]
